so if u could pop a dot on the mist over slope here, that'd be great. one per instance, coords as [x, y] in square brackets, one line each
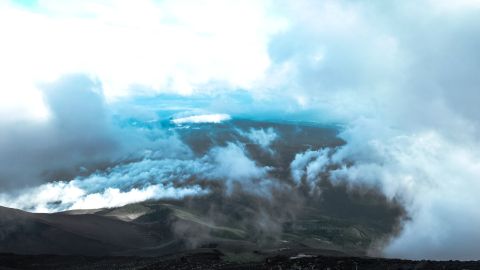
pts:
[112, 103]
[242, 186]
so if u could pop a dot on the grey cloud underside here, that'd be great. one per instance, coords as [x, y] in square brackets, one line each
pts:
[78, 137]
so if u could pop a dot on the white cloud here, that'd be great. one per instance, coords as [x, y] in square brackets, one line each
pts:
[123, 184]
[402, 78]
[113, 197]
[176, 46]
[309, 163]
[149, 178]
[203, 118]
[437, 181]
[263, 137]
[61, 196]
[232, 165]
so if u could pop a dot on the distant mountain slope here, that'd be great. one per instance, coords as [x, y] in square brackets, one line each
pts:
[157, 228]
[89, 234]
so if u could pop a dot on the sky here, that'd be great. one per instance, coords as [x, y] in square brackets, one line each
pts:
[400, 77]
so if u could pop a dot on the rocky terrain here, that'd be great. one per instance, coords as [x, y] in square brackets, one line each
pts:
[212, 259]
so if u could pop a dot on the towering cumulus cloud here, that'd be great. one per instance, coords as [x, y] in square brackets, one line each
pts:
[401, 79]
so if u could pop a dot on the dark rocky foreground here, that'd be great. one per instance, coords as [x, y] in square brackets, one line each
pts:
[216, 260]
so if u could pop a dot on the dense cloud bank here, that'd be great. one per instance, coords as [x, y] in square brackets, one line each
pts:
[400, 77]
